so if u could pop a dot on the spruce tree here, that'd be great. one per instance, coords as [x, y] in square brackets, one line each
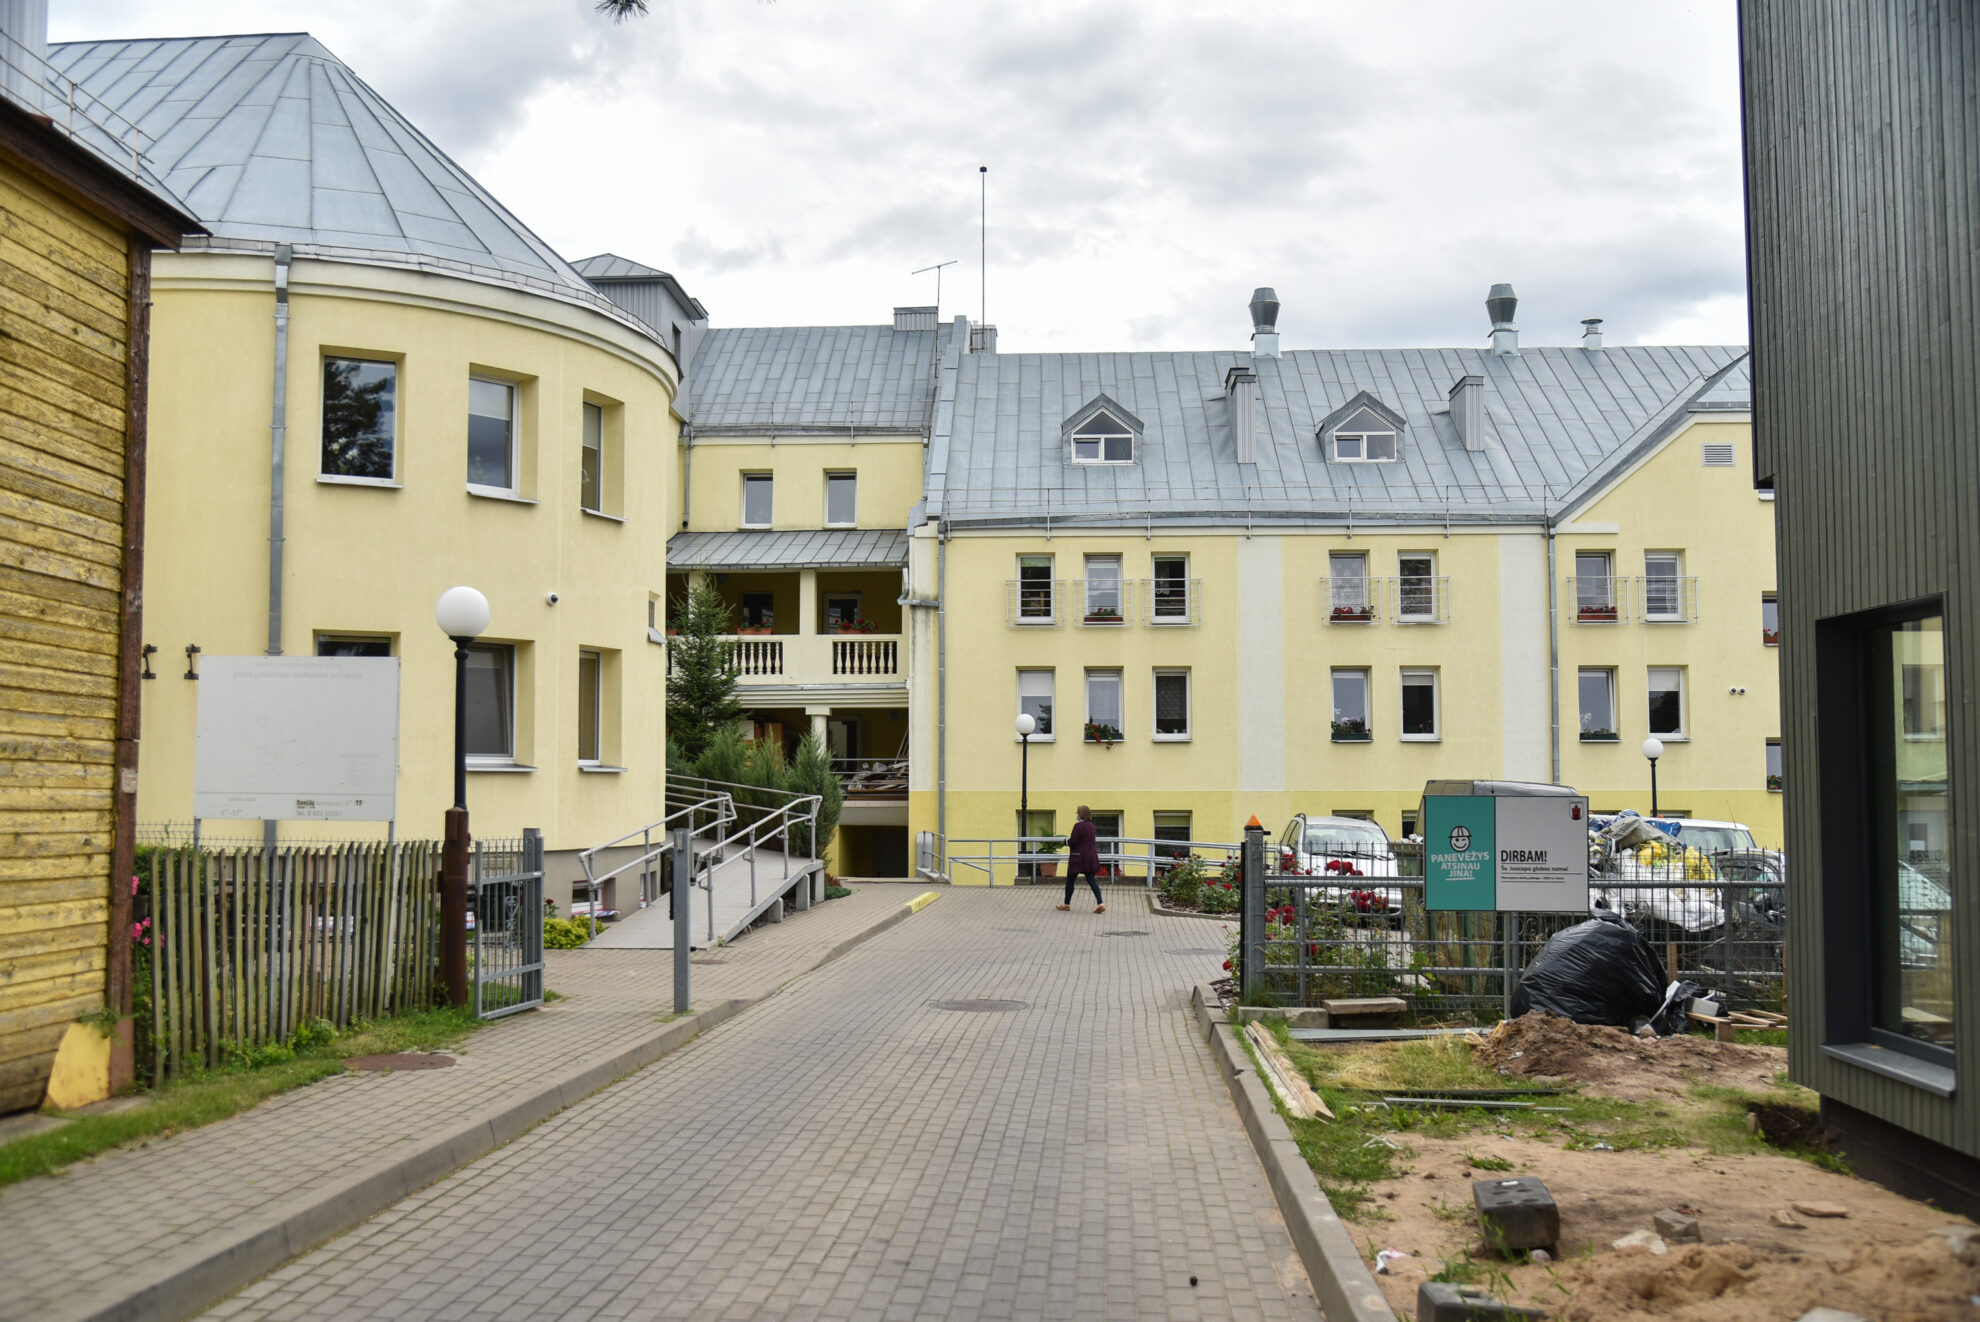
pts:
[811, 773]
[701, 691]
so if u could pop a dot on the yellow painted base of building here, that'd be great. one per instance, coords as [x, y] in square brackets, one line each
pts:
[81, 1073]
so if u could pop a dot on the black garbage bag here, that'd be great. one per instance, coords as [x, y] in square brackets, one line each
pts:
[1673, 1017]
[1597, 972]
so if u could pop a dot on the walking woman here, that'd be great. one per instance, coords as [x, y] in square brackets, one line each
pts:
[1083, 856]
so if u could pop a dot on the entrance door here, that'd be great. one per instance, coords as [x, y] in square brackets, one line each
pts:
[842, 737]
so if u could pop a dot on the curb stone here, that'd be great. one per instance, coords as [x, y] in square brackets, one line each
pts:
[1340, 1278]
[205, 1271]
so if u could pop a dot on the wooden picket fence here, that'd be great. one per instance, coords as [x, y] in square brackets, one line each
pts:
[247, 943]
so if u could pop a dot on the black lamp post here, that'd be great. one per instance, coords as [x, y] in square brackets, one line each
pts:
[462, 614]
[1026, 725]
[1653, 748]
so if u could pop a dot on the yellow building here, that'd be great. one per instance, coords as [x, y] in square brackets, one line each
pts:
[79, 217]
[372, 383]
[1234, 584]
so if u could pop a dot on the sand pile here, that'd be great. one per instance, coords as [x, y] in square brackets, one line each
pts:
[1609, 1062]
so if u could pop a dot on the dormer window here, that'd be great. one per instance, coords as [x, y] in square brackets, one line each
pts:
[1103, 439]
[1365, 438]
[1101, 432]
[1362, 431]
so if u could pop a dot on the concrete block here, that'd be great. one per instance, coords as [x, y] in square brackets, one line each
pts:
[1364, 1011]
[1678, 1227]
[1830, 1315]
[775, 913]
[1517, 1213]
[1964, 1241]
[1440, 1301]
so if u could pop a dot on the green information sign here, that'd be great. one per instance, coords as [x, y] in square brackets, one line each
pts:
[1459, 837]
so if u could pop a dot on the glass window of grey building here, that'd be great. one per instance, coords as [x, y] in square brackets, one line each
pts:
[491, 701]
[591, 460]
[360, 419]
[491, 434]
[841, 499]
[757, 492]
[1913, 895]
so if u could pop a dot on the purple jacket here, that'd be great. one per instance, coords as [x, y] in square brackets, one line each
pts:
[1083, 850]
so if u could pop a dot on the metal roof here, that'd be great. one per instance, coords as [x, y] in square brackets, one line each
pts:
[272, 139]
[611, 266]
[1553, 418]
[828, 548]
[867, 379]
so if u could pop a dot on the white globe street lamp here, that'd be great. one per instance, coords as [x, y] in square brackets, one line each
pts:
[1653, 748]
[1027, 725]
[462, 614]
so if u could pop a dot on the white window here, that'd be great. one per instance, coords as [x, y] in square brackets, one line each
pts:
[1774, 765]
[1416, 586]
[1035, 700]
[1035, 604]
[1663, 589]
[360, 420]
[1103, 439]
[1367, 437]
[590, 707]
[591, 461]
[842, 610]
[1350, 692]
[1103, 705]
[1169, 600]
[841, 500]
[1103, 589]
[1597, 691]
[1594, 586]
[491, 457]
[491, 702]
[1347, 582]
[1667, 702]
[756, 500]
[1419, 704]
[1172, 704]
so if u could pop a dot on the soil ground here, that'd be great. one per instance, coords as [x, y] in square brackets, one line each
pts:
[1644, 1125]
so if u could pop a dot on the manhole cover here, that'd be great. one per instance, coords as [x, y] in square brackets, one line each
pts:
[980, 1007]
[1196, 950]
[1124, 934]
[400, 1060]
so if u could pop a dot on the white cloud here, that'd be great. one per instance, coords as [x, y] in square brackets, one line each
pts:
[1380, 165]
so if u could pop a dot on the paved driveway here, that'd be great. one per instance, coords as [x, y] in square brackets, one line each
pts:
[850, 1150]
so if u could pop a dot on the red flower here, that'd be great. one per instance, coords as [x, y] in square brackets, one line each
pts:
[1227, 966]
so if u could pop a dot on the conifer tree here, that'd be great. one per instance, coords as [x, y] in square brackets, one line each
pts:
[811, 773]
[701, 691]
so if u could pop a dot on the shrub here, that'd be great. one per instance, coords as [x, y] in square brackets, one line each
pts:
[1183, 884]
[313, 1033]
[764, 771]
[1219, 897]
[837, 892]
[811, 773]
[565, 933]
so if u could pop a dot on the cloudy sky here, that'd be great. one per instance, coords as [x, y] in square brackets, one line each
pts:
[1379, 164]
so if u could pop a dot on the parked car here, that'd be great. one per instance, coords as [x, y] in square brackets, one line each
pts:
[1347, 848]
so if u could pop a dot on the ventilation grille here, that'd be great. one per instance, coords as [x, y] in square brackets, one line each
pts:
[1719, 454]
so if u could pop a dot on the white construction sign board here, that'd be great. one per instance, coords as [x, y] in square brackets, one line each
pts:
[297, 738]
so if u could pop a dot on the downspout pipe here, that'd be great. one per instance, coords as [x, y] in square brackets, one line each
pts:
[687, 471]
[1554, 647]
[942, 692]
[277, 459]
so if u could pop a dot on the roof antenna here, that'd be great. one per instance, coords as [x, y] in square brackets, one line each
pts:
[983, 246]
[937, 269]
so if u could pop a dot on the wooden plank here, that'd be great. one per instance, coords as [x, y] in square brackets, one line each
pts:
[31, 202]
[59, 511]
[39, 991]
[21, 455]
[19, 919]
[100, 603]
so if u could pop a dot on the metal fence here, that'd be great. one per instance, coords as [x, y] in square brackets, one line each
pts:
[1022, 860]
[506, 912]
[242, 946]
[1355, 925]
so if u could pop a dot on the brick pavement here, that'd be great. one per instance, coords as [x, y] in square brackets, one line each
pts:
[847, 1150]
[74, 1244]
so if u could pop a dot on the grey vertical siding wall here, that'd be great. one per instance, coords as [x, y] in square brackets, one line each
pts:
[1863, 137]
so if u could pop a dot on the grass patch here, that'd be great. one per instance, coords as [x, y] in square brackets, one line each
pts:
[837, 892]
[209, 1095]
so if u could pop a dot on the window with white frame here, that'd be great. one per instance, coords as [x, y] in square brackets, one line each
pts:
[1774, 765]
[491, 702]
[1170, 603]
[1173, 826]
[1667, 701]
[1035, 604]
[1172, 704]
[1366, 437]
[1594, 586]
[1103, 706]
[1416, 585]
[591, 460]
[1350, 694]
[1419, 704]
[1103, 589]
[1596, 688]
[1770, 620]
[590, 714]
[360, 420]
[1347, 582]
[841, 500]
[1103, 439]
[1663, 588]
[756, 500]
[491, 456]
[1035, 700]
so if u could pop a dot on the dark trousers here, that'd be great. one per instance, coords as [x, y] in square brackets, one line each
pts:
[1072, 879]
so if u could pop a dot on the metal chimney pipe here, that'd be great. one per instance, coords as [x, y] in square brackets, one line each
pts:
[1500, 305]
[1264, 323]
[1591, 332]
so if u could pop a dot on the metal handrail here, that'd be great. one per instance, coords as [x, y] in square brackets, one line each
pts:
[771, 825]
[31, 81]
[1152, 854]
[721, 805]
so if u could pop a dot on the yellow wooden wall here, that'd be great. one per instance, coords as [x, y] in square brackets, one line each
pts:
[64, 323]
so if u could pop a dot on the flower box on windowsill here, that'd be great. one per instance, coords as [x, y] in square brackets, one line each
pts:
[1771, 637]
[1774, 784]
[753, 630]
[1352, 732]
[1104, 735]
[1596, 614]
[1352, 615]
[1600, 737]
[854, 626]
[1103, 616]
